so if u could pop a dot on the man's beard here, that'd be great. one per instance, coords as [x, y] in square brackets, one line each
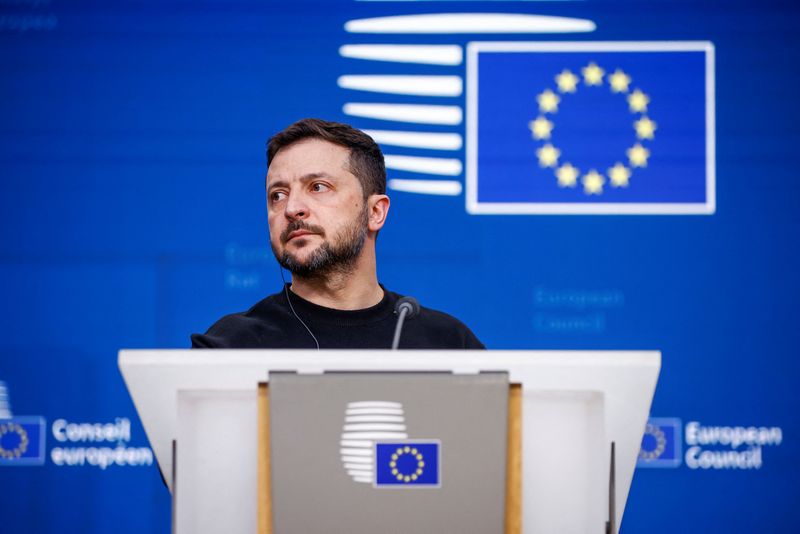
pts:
[336, 256]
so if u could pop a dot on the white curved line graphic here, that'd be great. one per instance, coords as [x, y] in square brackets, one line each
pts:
[356, 452]
[374, 419]
[427, 187]
[449, 23]
[421, 114]
[374, 435]
[436, 141]
[356, 427]
[366, 460]
[368, 411]
[424, 54]
[355, 443]
[440, 166]
[358, 467]
[375, 404]
[404, 84]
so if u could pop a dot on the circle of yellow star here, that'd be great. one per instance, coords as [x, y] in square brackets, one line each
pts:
[592, 74]
[619, 175]
[540, 128]
[23, 440]
[637, 101]
[567, 175]
[619, 81]
[548, 155]
[566, 81]
[638, 155]
[593, 183]
[645, 128]
[548, 101]
[407, 477]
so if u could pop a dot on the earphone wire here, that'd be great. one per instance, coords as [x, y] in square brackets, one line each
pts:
[286, 289]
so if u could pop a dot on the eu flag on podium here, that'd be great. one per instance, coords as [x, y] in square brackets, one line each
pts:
[405, 463]
[590, 128]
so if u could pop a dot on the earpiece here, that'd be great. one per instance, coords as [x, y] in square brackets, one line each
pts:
[289, 300]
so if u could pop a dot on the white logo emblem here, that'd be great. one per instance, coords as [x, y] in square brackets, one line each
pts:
[366, 422]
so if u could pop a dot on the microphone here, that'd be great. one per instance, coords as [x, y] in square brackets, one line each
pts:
[406, 307]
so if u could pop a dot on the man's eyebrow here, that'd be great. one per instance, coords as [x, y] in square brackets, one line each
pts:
[303, 179]
[277, 183]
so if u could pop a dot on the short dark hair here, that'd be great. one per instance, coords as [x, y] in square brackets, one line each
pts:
[366, 159]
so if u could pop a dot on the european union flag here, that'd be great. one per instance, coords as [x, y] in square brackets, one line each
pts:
[22, 441]
[590, 128]
[661, 443]
[406, 463]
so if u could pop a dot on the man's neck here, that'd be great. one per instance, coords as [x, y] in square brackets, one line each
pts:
[342, 291]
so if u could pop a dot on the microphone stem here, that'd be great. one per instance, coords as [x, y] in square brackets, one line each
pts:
[399, 328]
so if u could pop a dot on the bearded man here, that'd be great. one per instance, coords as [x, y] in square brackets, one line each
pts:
[326, 203]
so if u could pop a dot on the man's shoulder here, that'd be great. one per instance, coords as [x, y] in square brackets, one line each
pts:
[438, 329]
[440, 318]
[245, 329]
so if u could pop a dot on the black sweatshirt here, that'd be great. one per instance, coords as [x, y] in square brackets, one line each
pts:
[270, 324]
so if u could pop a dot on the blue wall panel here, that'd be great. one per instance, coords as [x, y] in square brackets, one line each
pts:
[132, 214]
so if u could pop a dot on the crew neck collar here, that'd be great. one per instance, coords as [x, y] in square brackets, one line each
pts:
[317, 313]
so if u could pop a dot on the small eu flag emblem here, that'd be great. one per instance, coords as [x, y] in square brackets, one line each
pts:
[22, 441]
[661, 443]
[407, 463]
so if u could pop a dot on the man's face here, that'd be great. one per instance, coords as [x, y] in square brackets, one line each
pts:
[316, 209]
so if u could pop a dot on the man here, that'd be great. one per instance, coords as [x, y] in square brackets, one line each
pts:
[326, 203]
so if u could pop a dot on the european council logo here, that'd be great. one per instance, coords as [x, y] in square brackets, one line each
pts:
[375, 448]
[661, 443]
[21, 438]
[595, 128]
[22, 441]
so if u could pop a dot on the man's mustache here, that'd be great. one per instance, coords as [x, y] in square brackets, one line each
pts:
[300, 225]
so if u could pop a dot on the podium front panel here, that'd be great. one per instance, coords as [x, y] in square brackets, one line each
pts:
[388, 452]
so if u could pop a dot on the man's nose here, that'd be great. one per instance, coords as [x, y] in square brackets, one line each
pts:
[296, 206]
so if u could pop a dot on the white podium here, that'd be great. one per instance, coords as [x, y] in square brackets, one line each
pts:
[574, 404]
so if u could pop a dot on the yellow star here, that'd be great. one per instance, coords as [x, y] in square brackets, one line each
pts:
[548, 155]
[541, 128]
[593, 183]
[548, 101]
[638, 101]
[566, 81]
[592, 74]
[645, 128]
[619, 175]
[567, 175]
[619, 81]
[638, 155]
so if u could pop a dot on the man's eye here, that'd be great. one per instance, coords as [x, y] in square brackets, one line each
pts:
[277, 196]
[319, 187]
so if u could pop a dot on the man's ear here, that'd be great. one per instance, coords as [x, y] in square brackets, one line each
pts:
[378, 206]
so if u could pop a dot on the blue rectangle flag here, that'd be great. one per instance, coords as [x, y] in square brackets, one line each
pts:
[606, 127]
[22, 440]
[407, 464]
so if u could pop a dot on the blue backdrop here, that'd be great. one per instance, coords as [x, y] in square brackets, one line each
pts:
[132, 214]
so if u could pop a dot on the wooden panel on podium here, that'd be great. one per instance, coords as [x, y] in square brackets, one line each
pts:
[513, 513]
[514, 461]
[264, 490]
